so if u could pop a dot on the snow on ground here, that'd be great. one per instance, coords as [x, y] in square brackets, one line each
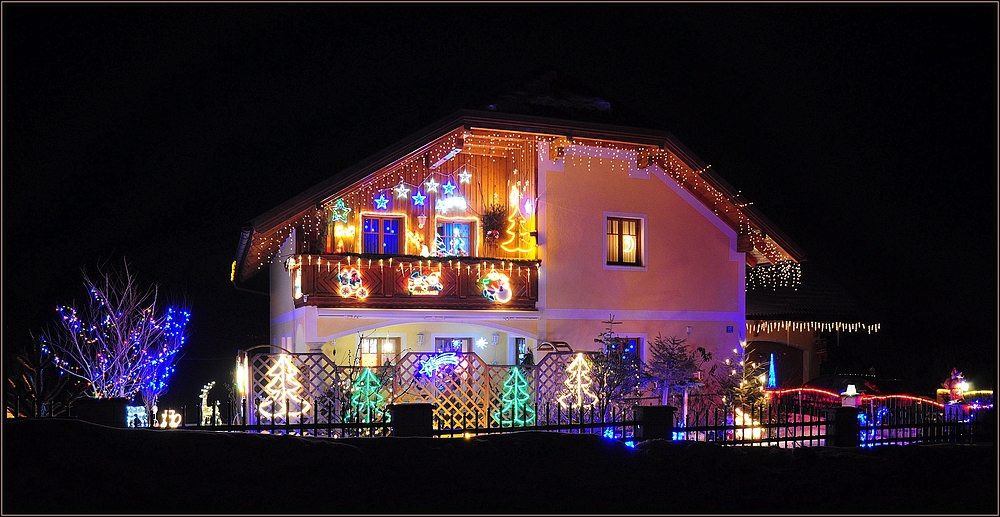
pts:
[68, 466]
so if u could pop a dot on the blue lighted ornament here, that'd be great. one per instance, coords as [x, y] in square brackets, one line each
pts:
[418, 199]
[449, 188]
[381, 202]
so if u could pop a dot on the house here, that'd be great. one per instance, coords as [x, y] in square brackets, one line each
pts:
[518, 227]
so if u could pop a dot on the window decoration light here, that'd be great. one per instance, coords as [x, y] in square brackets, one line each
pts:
[496, 286]
[578, 393]
[516, 407]
[366, 397]
[284, 392]
[423, 285]
[350, 284]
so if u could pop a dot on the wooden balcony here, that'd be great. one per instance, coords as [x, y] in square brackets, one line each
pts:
[354, 281]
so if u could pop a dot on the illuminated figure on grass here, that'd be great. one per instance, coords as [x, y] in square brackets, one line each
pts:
[516, 409]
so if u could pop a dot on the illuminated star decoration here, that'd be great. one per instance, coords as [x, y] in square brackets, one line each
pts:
[449, 188]
[432, 186]
[340, 211]
[381, 202]
[430, 366]
[418, 198]
[481, 343]
[401, 190]
[464, 176]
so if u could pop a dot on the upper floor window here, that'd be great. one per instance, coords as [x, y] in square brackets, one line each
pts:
[381, 235]
[624, 241]
[453, 239]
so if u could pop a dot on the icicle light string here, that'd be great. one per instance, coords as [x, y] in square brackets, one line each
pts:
[395, 176]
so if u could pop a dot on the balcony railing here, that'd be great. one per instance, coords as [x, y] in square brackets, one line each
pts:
[384, 281]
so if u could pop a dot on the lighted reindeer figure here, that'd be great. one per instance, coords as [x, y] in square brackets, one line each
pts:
[209, 416]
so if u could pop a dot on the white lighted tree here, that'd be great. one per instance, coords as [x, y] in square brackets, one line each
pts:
[120, 340]
[284, 400]
[578, 393]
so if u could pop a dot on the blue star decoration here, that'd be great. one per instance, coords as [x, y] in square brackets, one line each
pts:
[418, 198]
[463, 177]
[449, 188]
[381, 202]
[340, 211]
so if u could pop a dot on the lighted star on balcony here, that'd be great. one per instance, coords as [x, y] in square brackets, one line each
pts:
[381, 202]
[432, 186]
[464, 176]
[401, 190]
[449, 188]
[418, 198]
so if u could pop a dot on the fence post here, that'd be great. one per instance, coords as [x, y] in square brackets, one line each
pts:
[412, 419]
[654, 422]
[843, 428]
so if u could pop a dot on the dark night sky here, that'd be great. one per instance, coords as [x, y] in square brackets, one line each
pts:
[868, 133]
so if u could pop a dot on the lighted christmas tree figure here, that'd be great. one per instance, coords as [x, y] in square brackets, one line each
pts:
[283, 389]
[518, 231]
[516, 410]
[366, 399]
[578, 393]
[742, 381]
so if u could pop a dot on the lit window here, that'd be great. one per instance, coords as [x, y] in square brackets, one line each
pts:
[381, 235]
[379, 351]
[624, 241]
[453, 239]
[452, 344]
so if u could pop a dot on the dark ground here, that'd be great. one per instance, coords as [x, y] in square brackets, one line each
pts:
[70, 466]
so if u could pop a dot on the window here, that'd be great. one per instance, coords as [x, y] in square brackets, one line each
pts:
[624, 242]
[452, 344]
[453, 239]
[380, 235]
[379, 351]
[521, 344]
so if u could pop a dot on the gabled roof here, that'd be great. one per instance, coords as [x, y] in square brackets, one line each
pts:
[264, 234]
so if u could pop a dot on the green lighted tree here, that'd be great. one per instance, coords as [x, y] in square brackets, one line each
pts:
[366, 399]
[516, 410]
